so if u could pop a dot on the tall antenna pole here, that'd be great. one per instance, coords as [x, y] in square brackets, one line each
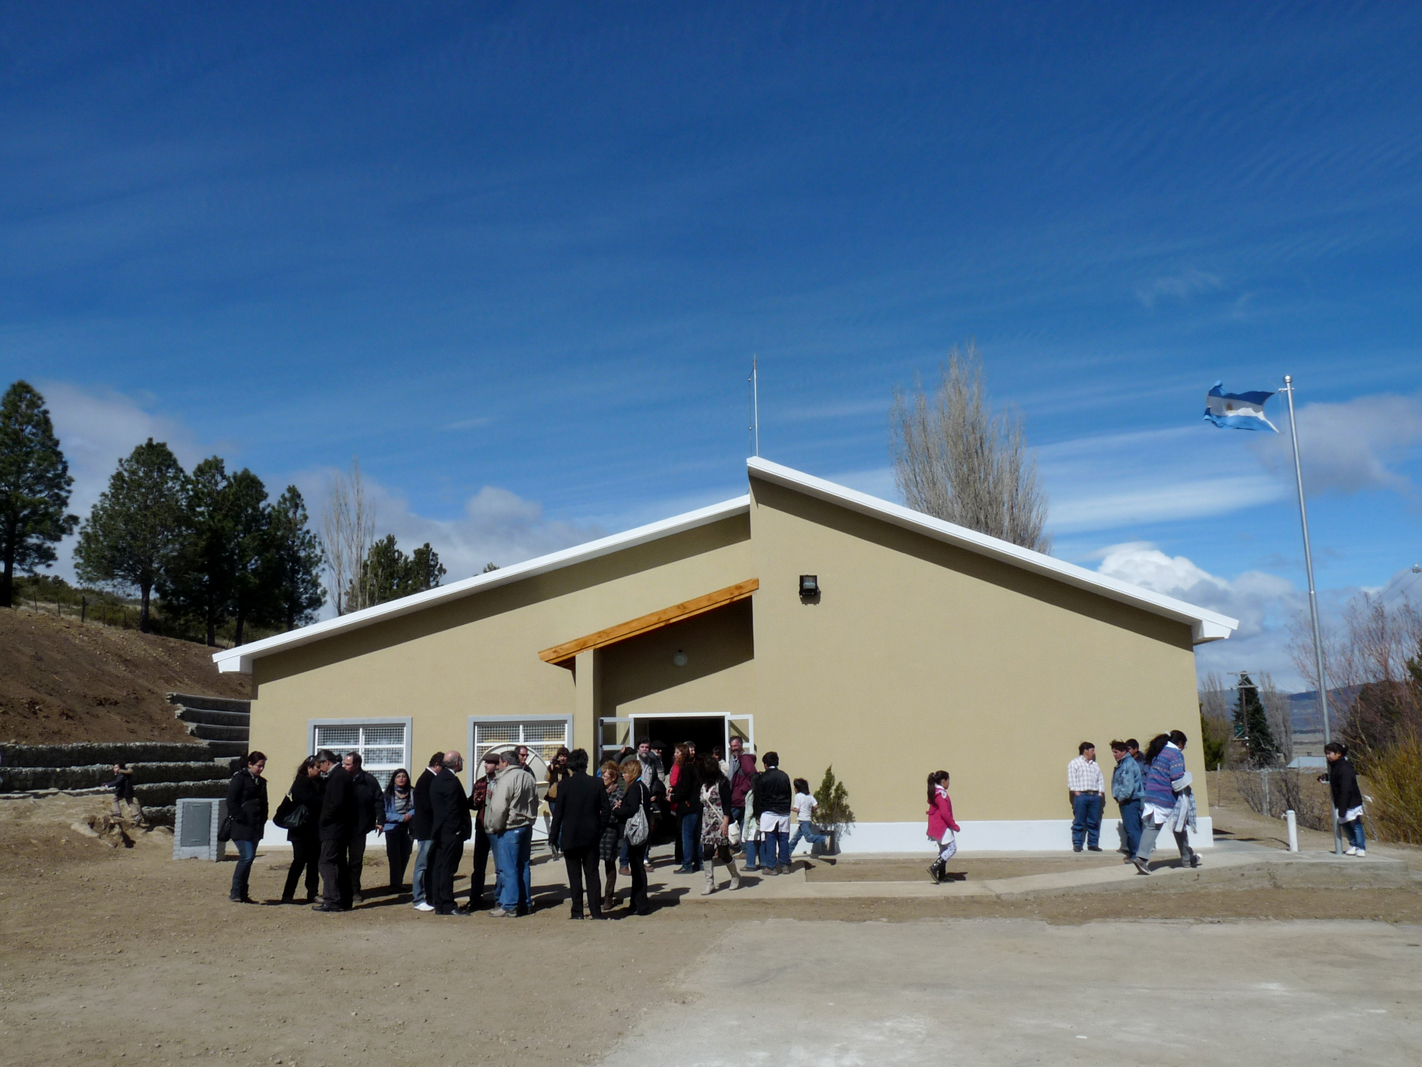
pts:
[1312, 596]
[755, 409]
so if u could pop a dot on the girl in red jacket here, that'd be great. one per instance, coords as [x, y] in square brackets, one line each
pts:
[941, 826]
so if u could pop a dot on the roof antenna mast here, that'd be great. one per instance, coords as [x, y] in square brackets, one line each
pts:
[755, 409]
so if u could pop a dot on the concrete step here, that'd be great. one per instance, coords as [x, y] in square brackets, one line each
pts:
[87, 753]
[166, 793]
[89, 776]
[227, 749]
[204, 703]
[214, 718]
[219, 733]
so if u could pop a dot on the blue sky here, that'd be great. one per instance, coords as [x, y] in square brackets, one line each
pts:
[517, 259]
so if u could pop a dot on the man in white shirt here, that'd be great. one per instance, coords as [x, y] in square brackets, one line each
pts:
[1087, 786]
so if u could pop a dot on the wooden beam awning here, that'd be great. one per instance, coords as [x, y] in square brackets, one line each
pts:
[563, 654]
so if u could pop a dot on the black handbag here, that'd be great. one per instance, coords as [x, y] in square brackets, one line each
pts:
[290, 815]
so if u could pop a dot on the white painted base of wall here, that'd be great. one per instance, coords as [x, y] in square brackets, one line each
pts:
[276, 838]
[1007, 835]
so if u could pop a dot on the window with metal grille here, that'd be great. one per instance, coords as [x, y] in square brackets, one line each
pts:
[542, 736]
[383, 747]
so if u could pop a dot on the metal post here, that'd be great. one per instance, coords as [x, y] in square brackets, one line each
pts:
[1312, 597]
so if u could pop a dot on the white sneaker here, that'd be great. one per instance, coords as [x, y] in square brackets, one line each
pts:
[1361, 853]
[1351, 850]
[422, 906]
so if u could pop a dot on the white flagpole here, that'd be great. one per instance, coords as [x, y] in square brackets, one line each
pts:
[1312, 599]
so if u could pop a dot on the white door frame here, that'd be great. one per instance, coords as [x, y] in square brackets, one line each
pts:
[724, 716]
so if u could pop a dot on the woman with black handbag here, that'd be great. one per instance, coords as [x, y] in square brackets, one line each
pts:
[298, 814]
[634, 815]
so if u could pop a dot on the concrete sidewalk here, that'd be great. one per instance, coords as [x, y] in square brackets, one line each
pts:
[1235, 865]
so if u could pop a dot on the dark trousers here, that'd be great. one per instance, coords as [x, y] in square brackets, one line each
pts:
[305, 853]
[1086, 811]
[636, 860]
[582, 865]
[336, 873]
[397, 851]
[355, 858]
[691, 840]
[441, 884]
[479, 875]
[1131, 823]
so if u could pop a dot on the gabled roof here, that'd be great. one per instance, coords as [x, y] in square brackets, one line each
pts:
[240, 658]
[1205, 625]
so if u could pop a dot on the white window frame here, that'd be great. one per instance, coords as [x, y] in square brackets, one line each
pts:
[381, 771]
[476, 754]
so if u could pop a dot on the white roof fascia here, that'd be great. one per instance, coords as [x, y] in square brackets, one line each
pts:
[239, 659]
[1205, 625]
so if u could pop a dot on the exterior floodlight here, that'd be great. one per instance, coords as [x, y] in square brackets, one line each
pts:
[809, 586]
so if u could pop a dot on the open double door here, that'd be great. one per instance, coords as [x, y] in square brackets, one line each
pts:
[615, 734]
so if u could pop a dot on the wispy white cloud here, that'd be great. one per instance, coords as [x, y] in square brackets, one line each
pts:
[1347, 447]
[1179, 286]
[468, 424]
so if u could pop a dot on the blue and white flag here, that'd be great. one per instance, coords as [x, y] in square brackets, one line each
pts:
[1237, 411]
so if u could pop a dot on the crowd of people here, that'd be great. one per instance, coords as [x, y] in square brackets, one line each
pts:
[715, 810]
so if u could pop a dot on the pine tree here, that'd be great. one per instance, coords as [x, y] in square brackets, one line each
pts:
[832, 810]
[293, 563]
[387, 573]
[34, 486]
[135, 527]
[1252, 722]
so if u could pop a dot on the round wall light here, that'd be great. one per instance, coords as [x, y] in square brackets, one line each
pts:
[679, 659]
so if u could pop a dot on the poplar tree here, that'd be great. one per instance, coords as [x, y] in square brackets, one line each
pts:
[34, 486]
[135, 528]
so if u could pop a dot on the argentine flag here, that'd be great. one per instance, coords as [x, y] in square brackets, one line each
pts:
[1238, 411]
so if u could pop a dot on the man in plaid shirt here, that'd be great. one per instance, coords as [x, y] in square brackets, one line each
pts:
[1088, 798]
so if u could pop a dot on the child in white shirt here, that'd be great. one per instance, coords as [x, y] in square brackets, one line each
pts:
[804, 805]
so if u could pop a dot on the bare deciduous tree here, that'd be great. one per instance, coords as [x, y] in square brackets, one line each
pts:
[1280, 716]
[347, 532]
[957, 460]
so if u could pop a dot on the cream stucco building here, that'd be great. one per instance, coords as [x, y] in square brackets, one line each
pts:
[926, 645]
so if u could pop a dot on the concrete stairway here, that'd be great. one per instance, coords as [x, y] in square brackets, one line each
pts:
[223, 722]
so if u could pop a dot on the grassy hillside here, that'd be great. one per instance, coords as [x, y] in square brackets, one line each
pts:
[62, 680]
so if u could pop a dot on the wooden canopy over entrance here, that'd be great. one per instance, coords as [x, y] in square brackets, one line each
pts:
[563, 655]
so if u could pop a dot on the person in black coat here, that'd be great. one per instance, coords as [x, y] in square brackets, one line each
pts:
[247, 808]
[1342, 781]
[370, 813]
[305, 839]
[449, 804]
[422, 830]
[335, 829]
[773, 796]
[581, 812]
[637, 798]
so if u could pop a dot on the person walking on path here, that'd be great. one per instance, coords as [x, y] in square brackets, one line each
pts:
[452, 827]
[941, 826]
[122, 785]
[1128, 787]
[686, 797]
[247, 808]
[1088, 798]
[637, 799]
[581, 812]
[509, 814]
[305, 838]
[1168, 800]
[399, 811]
[370, 815]
[336, 827]
[422, 830]
[609, 844]
[805, 804]
[478, 801]
[716, 823]
[1342, 782]
[773, 796]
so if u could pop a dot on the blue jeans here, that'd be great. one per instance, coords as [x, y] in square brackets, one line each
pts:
[779, 840]
[1131, 820]
[1086, 818]
[511, 858]
[422, 865]
[691, 840]
[246, 853]
[810, 834]
[1353, 831]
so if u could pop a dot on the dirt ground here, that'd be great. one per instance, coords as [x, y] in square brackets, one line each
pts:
[62, 680]
[112, 954]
